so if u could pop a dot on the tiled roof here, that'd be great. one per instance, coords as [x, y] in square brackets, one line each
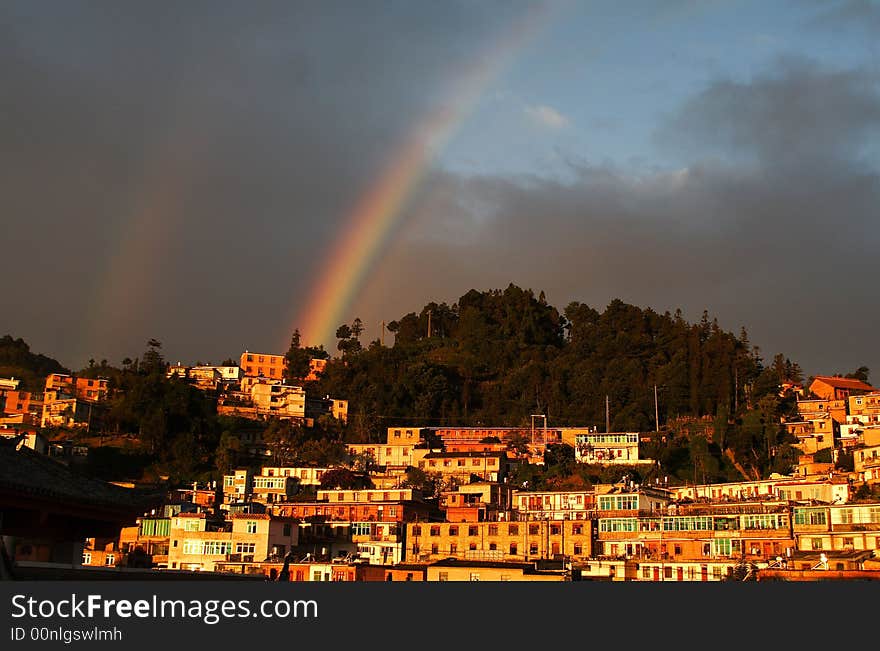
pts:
[843, 382]
[28, 472]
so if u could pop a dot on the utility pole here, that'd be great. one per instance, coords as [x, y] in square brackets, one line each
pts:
[607, 415]
[429, 324]
[383, 333]
[656, 411]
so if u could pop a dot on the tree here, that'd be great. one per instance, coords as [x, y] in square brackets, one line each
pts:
[297, 358]
[861, 373]
[227, 453]
[152, 361]
[343, 478]
[427, 482]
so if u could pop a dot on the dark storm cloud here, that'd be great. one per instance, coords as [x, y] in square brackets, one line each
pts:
[860, 15]
[235, 135]
[773, 226]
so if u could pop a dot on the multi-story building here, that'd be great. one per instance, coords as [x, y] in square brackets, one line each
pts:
[498, 541]
[477, 502]
[389, 456]
[554, 505]
[865, 406]
[539, 436]
[197, 543]
[91, 389]
[406, 435]
[279, 400]
[697, 535]
[838, 388]
[866, 464]
[845, 527]
[488, 466]
[263, 365]
[366, 523]
[606, 448]
[822, 408]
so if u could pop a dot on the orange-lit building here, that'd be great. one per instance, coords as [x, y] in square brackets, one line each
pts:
[477, 502]
[822, 408]
[91, 389]
[838, 388]
[261, 364]
[489, 466]
[21, 402]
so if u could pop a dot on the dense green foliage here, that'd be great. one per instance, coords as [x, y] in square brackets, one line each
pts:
[17, 360]
[494, 358]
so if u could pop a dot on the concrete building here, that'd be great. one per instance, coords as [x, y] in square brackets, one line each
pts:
[263, 365]
[477, 502]
[463, 570]
[390, 456]
[554, 505]
[197, 543]
[620, 448]
[838, 388]
[488, 466]
[428, 542]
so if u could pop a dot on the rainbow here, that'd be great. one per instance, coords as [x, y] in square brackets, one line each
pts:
[376, 213]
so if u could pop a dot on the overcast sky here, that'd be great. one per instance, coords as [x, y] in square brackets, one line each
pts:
[181, 170]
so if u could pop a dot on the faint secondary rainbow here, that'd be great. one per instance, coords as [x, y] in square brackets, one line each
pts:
[374, 216]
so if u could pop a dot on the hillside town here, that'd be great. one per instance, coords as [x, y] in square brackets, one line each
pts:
[435, 503]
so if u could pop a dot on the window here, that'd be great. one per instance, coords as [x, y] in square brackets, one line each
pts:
[646, 572]
[578, 549]
[513, 530]
[417, 530]
[473, 531]
[846, 516]
[577, 529]
[513, 549]
[443, 576]
[533, 548]
[533, 530]
[453, 548]
[435, 531]
[245, 548]
[475, 576]
[251, 526]
[493, 529]
[434, 548]
[554, 529]
[472, 546]
[87, 558]
[453, 531]
[816, 543]
[667, 572]
[493, 546]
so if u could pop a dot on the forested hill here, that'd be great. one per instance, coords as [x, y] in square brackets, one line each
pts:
[495, 357]
[17, 360]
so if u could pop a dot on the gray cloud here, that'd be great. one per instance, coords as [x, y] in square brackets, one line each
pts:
[781, 236]
[178, 170]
